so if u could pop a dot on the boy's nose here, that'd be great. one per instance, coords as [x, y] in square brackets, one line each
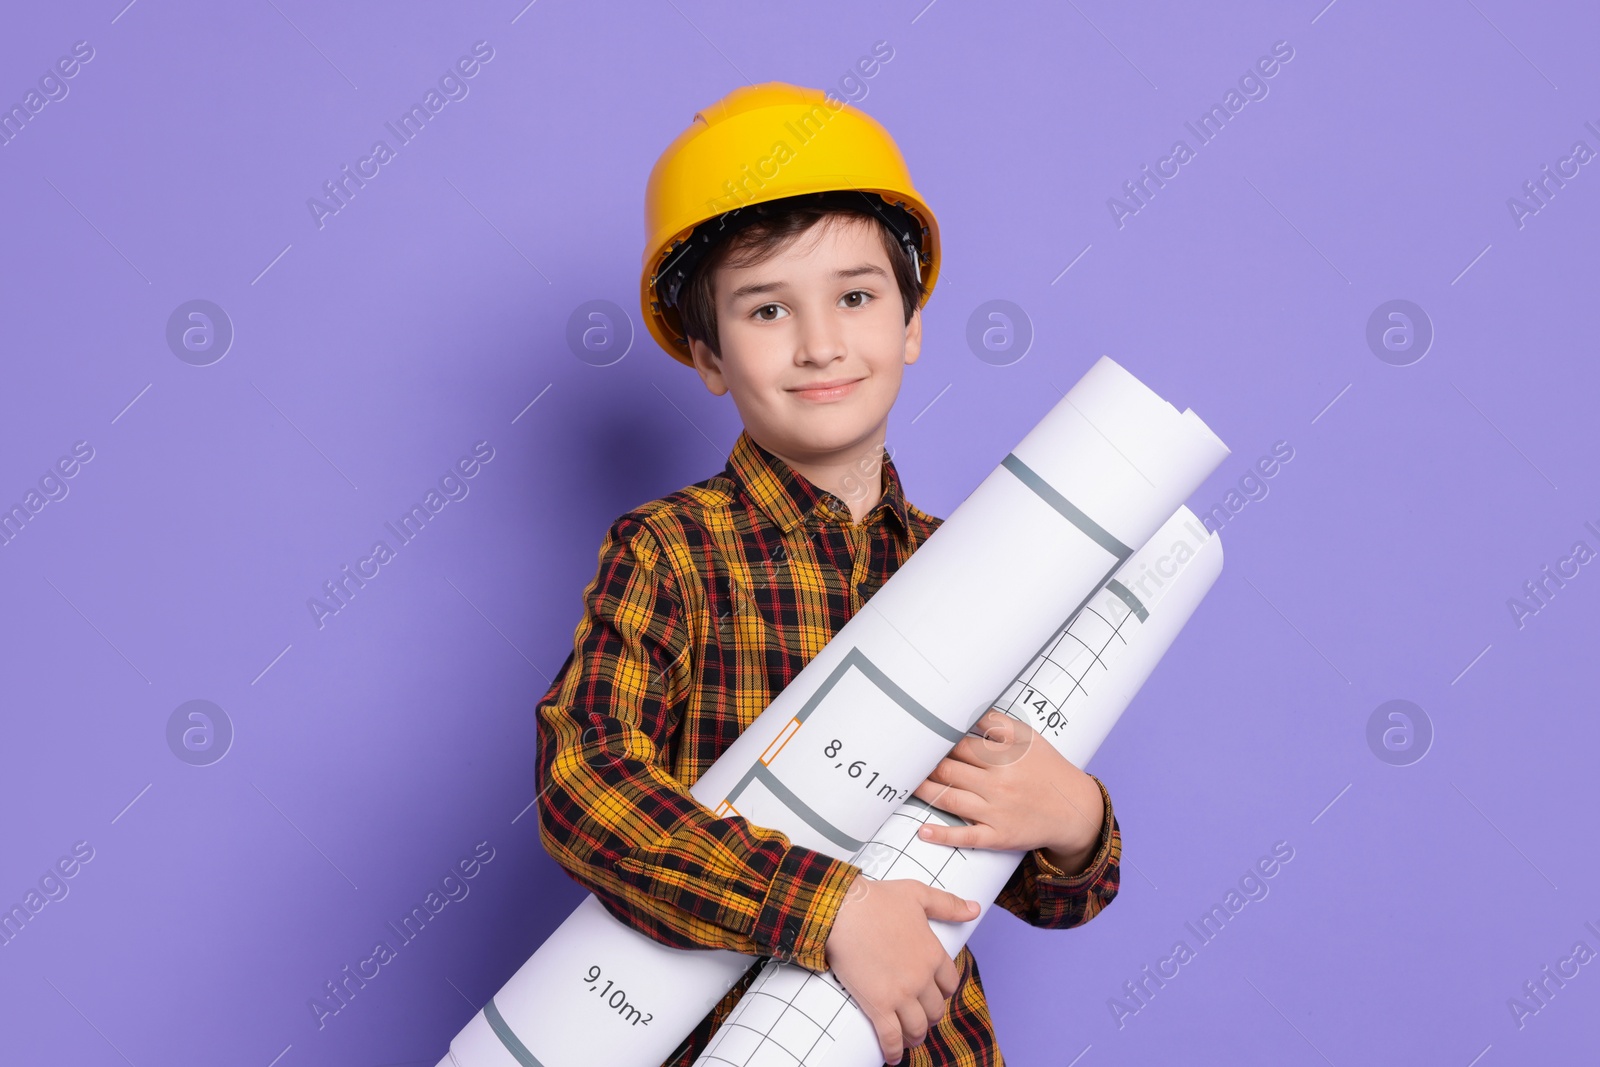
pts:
[821, 340]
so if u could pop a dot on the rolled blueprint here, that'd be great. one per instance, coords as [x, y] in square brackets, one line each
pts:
[890, 692]
[1071, 695]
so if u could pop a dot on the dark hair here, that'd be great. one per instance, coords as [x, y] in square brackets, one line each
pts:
[758, 242]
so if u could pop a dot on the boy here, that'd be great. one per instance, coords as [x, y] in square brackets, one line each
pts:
[798, 292]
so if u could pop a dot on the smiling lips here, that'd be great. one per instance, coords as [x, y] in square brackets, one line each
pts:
[829, 390]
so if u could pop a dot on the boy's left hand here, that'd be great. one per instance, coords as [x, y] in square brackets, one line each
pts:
[1016, 793]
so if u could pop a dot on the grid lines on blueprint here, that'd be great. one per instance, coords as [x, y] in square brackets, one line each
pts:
[781, 1021]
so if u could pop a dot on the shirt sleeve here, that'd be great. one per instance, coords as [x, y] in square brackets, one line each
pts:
[1042, 894]
[613, 815]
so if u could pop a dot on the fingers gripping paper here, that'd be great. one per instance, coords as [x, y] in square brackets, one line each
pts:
[895, 687]
[1071, 695]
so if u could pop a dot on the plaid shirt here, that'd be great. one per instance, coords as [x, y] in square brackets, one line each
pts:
[705, 605]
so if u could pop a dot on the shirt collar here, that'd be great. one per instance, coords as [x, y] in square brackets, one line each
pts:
[789, 499]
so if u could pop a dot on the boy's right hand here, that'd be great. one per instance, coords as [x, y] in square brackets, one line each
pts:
[883, 951]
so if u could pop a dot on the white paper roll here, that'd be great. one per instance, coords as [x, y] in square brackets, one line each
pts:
[1071, 694]
[894, 689]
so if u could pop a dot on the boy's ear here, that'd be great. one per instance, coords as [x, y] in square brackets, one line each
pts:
[709, 366]
[914, 337]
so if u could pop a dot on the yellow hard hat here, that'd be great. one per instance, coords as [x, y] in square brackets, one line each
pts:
[757, 145]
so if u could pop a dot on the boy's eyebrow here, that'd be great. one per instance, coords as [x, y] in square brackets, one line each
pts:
[757, 288]
[865, 268]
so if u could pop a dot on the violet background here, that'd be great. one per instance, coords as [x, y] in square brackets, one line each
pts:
[429, 313]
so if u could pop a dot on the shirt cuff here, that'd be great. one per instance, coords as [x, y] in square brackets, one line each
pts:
[797, 913]
[1097, 863]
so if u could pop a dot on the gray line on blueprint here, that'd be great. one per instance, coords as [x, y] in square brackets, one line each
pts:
[1129, 599]
[508, 1037]
[858, 659]
[812, 818]
[918, 802]
[1050, 495]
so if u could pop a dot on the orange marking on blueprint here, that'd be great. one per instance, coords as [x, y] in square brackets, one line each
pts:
[778, 742]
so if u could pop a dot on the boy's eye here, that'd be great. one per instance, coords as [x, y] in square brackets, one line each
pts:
[759, 312]
[862, 293]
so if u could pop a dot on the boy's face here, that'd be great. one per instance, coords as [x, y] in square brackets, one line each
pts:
[822, 310]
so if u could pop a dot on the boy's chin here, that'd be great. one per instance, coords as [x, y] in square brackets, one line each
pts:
[825, 432]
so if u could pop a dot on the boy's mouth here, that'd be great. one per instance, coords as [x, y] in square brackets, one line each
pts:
[832, 389]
